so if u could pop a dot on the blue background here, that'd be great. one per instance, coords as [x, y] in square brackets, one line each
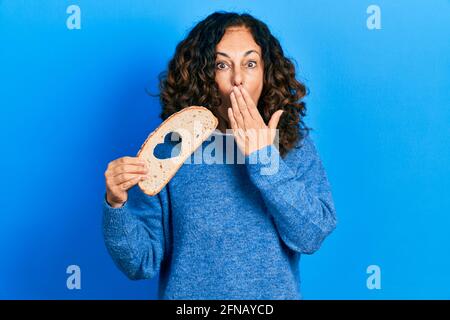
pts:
[73, 100]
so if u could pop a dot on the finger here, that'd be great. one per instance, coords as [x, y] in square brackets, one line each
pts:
[236, 112]
[253, 110]
[275, 119]
[237, 132]
[127, 160]
[130, 183]
[242, 105]
[124, 177]
[128, 168]
[232, 119]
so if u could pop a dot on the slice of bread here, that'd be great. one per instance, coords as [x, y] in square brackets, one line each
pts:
[194, 125]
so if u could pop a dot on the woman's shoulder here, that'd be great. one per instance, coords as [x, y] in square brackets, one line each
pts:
[305, 143]
[304, 152]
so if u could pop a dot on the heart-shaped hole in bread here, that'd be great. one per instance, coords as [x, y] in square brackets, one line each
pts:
[170, 148]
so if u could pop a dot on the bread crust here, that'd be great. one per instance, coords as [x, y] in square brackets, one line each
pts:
[163, 170]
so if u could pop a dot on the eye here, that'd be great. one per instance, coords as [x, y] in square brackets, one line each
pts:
[251, 64]
[221, 65]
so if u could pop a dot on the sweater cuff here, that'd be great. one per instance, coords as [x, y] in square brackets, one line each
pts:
[115, 219]
[113, 210]
[266, 168]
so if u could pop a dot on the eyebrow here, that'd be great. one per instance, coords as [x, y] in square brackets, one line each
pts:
[245, 54]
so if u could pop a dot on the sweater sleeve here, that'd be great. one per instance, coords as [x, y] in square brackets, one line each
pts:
[298, 197]
[135, 234]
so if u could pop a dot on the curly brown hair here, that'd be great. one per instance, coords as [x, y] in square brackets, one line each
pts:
[190, 78]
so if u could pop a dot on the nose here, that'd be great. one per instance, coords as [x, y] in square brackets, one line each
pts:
[237, 77]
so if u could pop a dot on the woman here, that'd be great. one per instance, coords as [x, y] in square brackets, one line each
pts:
[226, 231]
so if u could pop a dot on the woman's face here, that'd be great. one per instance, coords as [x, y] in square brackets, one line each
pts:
[238, 61]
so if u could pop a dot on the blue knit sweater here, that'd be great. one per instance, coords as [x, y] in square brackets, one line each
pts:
[221, 230]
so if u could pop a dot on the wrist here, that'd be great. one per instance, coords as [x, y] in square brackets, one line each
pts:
[113, 204]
